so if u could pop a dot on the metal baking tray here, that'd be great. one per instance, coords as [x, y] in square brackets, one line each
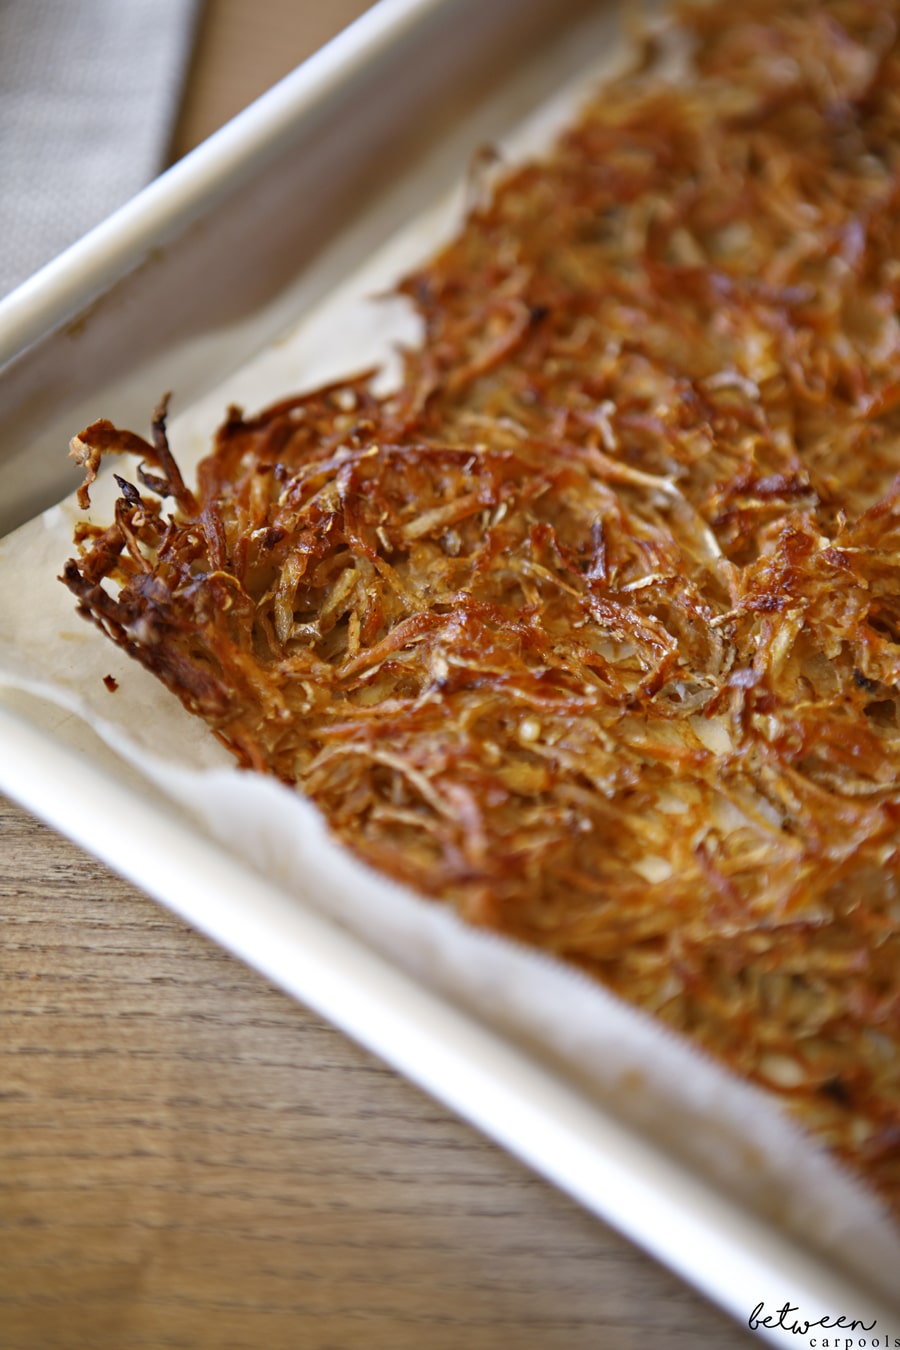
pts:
[176, 290]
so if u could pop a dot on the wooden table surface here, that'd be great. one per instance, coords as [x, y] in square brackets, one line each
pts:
[189, 1158]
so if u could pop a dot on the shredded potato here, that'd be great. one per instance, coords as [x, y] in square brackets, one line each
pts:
[591, 629]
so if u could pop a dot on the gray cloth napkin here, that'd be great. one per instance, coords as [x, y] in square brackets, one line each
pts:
[88, 94]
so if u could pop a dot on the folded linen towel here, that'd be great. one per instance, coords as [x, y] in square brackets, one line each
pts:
[88, 96]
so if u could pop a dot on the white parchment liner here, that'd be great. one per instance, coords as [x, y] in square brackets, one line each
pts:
[636, 1068]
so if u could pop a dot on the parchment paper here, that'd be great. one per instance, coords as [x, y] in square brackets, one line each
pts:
[730, 1131]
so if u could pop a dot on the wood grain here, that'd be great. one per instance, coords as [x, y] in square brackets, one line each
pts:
[242, 48]
[188, 1158]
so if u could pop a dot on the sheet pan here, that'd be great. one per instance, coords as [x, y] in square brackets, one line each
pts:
[175, 291]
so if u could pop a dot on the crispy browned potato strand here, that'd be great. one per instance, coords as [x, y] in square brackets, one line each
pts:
[591, 628]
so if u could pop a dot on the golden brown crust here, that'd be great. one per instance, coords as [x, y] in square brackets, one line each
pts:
[592, 628]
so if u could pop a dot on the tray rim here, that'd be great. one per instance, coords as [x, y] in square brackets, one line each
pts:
[69, 283]
[679, 1218]
[610, 1168]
